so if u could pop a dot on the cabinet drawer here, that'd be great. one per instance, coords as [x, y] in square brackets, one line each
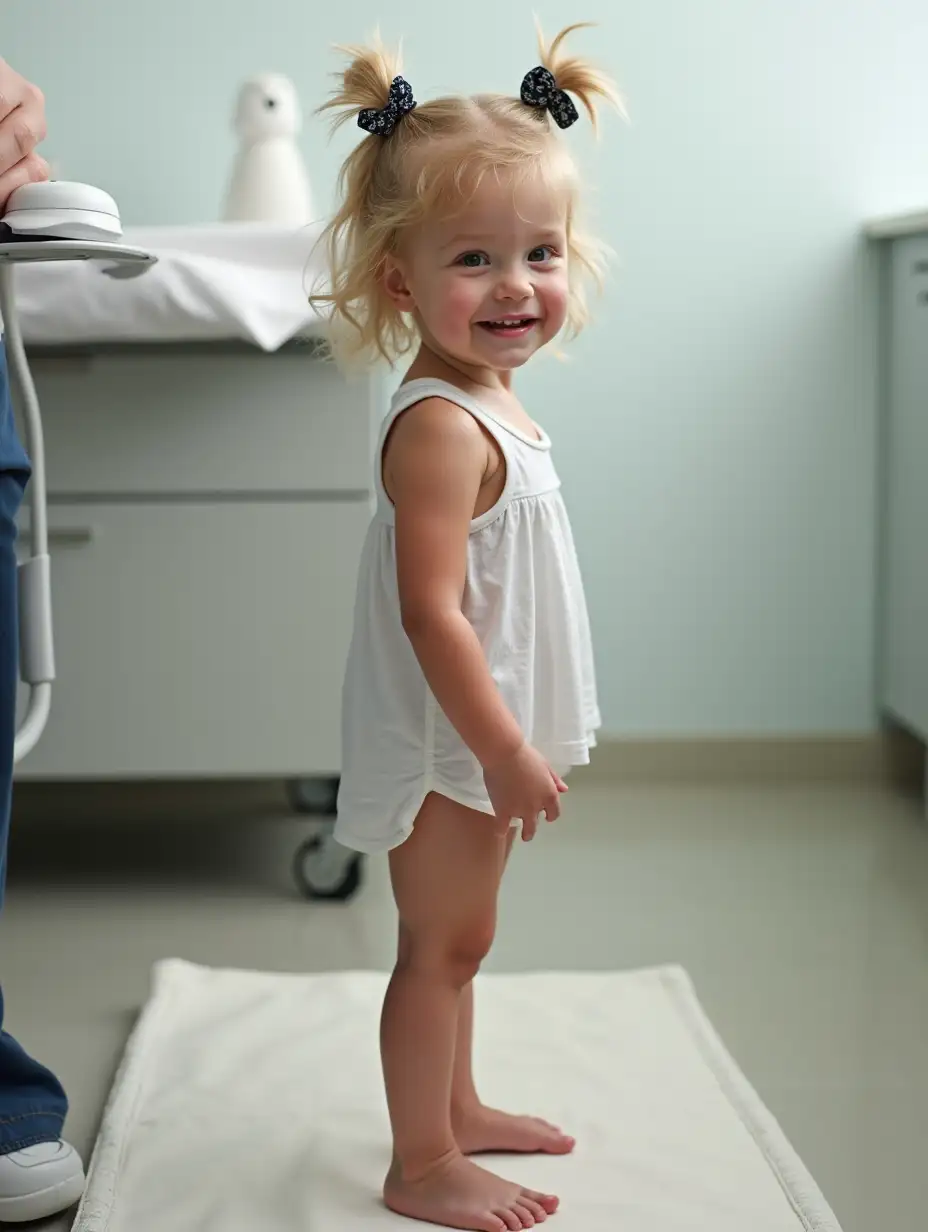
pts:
[199, 640]
[169, 422]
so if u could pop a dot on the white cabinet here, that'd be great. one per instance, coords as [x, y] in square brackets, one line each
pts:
[904, 684]
[207, 511]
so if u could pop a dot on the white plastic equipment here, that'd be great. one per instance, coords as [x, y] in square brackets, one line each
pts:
[56, 221]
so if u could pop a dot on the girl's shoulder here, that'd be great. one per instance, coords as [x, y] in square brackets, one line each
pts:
[432, 441]
[431, 421]
[438, 405]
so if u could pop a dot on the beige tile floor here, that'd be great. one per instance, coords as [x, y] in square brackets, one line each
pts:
[801, 914]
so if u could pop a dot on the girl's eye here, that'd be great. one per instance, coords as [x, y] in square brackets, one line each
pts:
[473, 260]
[541, 254]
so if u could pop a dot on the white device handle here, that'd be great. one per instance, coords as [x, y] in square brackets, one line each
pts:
[48, 222]
[37, 652]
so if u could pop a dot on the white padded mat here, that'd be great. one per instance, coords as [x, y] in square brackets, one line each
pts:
[252, 1102]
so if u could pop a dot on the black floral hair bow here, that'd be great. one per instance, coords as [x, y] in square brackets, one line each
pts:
[382, 120]
[539, 89]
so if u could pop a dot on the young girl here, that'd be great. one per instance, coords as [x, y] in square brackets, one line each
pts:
[469, 690]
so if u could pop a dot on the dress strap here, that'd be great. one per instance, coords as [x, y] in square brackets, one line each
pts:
[501, 429]
[431, 387]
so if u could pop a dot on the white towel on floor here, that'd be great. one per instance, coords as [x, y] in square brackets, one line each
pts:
[251, 1102]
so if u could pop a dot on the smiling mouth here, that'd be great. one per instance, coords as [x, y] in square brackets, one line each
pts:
[509, 327]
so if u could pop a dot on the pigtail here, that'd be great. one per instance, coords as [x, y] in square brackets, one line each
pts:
[576, 76]
[364, 82]
[358, 238]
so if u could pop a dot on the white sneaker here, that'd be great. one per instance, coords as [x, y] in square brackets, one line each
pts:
[39, 1181]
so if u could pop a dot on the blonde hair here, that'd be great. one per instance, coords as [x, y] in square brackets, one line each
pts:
[434, 159]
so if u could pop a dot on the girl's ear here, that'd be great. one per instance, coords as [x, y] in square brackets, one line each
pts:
[396, 285]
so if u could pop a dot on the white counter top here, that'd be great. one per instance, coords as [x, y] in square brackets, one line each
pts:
[892, 227]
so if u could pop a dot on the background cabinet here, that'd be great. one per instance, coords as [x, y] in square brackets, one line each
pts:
[904, 684]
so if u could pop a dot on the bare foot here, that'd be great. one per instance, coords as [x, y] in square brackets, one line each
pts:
[459, 1194]
[485, 1129]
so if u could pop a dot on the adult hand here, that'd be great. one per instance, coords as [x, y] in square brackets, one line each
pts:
[22, 127]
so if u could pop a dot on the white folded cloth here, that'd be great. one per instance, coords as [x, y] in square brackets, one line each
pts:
[220, 281]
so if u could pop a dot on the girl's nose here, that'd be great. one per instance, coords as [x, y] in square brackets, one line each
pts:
[514, 284]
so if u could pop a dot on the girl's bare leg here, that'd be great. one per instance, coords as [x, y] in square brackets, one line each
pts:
[445, 882]
[476, 1127]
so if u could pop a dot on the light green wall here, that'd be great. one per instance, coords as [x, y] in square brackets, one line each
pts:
[716, 425]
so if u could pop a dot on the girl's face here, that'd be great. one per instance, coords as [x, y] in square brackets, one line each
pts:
[488, 286]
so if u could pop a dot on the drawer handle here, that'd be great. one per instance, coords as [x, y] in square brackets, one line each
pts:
[63, 536]
[70, 536]
[920, 266]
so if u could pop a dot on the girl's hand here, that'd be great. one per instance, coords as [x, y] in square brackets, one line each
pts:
[524, 786]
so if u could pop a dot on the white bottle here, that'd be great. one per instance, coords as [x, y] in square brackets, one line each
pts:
[269, 181]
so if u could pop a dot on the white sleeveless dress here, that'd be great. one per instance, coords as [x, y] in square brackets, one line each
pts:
[524, 598]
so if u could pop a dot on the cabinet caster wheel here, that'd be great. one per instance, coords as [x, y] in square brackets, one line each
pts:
[323, 870]
[313, 797]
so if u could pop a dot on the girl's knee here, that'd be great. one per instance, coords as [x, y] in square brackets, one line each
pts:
[465, 954]
[454, 959]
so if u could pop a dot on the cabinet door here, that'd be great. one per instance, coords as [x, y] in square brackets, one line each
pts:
[199, 640]
[905, 667]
